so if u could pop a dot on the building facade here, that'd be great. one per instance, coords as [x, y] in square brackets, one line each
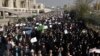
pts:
[28, 6]
[11, 10]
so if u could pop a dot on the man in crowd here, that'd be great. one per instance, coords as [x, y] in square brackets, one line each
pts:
[55, 37]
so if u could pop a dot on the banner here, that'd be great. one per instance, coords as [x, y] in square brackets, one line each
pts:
[33, 40]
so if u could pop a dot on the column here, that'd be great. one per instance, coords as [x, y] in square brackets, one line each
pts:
[3, 14]
[27, 3]
[38, 11]
[31, 3]
[17, 3]
[11, 3]
[0, 3]
[34, 1]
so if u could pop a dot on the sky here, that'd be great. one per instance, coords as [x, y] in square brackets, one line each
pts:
[50, 3]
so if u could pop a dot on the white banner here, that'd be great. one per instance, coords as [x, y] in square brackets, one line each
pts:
[94, 50]
[33, 40]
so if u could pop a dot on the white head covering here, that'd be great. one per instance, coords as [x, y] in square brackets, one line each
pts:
[35, 27]
[66, 31]
[17, 25]
[37, 23]
[24, 32]
[84, 31]
[59, 23]
[50, 26]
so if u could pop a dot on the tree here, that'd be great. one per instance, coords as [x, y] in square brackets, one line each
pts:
[82, 7]
[65, 7]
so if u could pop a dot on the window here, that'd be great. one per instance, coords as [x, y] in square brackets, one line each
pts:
[15, 3]
[5, 3]
[22, 4]
[34, 7]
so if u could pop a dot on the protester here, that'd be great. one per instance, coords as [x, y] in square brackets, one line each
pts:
[54, 36]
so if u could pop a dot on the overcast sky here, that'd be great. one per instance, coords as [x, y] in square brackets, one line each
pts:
[55, 2]
[50, 3]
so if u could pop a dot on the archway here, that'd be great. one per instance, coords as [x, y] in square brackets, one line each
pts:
[5, 3]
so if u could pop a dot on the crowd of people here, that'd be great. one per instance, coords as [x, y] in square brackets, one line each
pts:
[56, 36]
